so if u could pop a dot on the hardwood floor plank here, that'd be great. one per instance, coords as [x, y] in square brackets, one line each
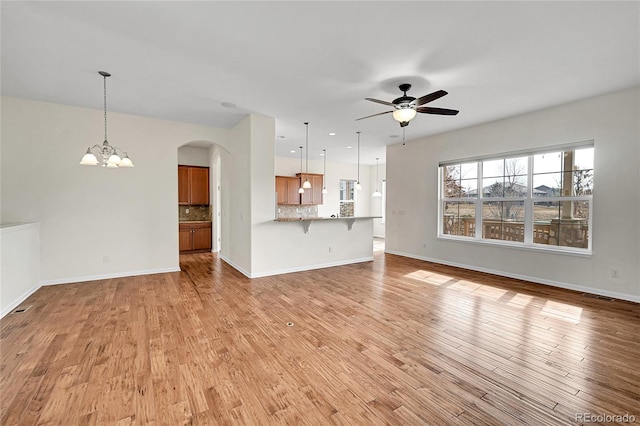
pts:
[395, 341]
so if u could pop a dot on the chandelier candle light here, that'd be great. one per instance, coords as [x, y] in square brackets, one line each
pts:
[358, 186]
[110, 156]
[307, 184]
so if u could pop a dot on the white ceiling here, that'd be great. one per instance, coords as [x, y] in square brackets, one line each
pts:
[317, 61]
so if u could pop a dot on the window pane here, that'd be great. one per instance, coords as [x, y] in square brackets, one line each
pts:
[469, 187]
[561, 223]
[492, 168]
[583, 158]
[452, 172]
[583, 182]
[547, 163]
[493, 187]
[459, 219]
[469, 171]
[547, 185]
[347, 190]
[515, 186]
[503, 220]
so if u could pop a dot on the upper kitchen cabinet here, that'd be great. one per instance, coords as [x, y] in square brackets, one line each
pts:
[313, 195]
[193, 185]
[287, 189]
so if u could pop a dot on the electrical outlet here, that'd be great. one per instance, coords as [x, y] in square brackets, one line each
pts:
[330, 249]
[424, 245]
[614, 273]
[186, 211]
[105, 259]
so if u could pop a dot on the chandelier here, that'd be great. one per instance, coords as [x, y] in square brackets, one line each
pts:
[112, 156]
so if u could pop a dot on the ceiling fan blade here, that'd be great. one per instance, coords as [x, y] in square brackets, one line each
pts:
[439, 111]
[369, 116]
[430, 97]
[381, 102]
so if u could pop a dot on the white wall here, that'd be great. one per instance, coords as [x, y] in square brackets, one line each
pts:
[19, 264]
[235, 185]
[612, 121]
[285, 166]
[194, 156]
[94, 222]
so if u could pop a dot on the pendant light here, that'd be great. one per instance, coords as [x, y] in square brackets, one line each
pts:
[307, 184]
[377, 193]
[324, 176]
[301, 189]
[110, 157]
[358, 186]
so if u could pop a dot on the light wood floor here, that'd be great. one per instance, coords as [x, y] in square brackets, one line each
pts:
[395, 341]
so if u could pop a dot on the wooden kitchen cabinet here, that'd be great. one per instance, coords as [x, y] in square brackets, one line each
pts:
[194, 237]
[193, 185]
[287, 189]
[313, 195]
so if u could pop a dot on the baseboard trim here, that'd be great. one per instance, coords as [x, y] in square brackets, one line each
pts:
[234, 265]
[552, 283]
[71, 280]
[19, 300]
[312, 267]
[296, 269]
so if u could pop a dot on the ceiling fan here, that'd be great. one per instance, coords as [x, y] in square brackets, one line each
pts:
[405, 107]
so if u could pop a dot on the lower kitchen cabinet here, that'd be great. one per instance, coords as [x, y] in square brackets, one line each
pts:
[194, 237]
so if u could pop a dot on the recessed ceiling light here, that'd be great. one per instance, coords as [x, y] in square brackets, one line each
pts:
[293, 151]
[393, 136]
[322, 154]
[332, 133]
[228, 104]
[349, 147]
[280, 137]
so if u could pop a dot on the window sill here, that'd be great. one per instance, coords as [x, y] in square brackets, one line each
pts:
[539, 248]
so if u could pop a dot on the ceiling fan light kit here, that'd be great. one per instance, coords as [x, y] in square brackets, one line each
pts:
[405, 108]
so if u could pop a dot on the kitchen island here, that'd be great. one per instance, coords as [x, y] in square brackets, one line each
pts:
[301, 244]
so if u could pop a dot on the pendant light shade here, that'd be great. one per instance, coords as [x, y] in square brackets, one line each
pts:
[110, 157]
[301, 189]
[358, 186]
[307, 184]
[324, 175]
[376, 193]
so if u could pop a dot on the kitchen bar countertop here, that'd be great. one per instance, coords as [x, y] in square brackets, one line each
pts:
[194, 221]
[298, 219]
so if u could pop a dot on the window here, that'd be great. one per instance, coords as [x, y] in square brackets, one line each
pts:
[347, 198]
[538, 200]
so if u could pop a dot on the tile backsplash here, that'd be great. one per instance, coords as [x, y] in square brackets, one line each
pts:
[194, 213]
[286, 211]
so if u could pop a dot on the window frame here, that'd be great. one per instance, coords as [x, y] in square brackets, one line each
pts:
[528, 199]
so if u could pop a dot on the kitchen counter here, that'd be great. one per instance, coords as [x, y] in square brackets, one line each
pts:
[298, 219]
[306, 221]
[194, 221]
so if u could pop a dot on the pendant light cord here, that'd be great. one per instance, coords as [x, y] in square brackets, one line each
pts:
[358, 156]
[105, 106]
[307, 151]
